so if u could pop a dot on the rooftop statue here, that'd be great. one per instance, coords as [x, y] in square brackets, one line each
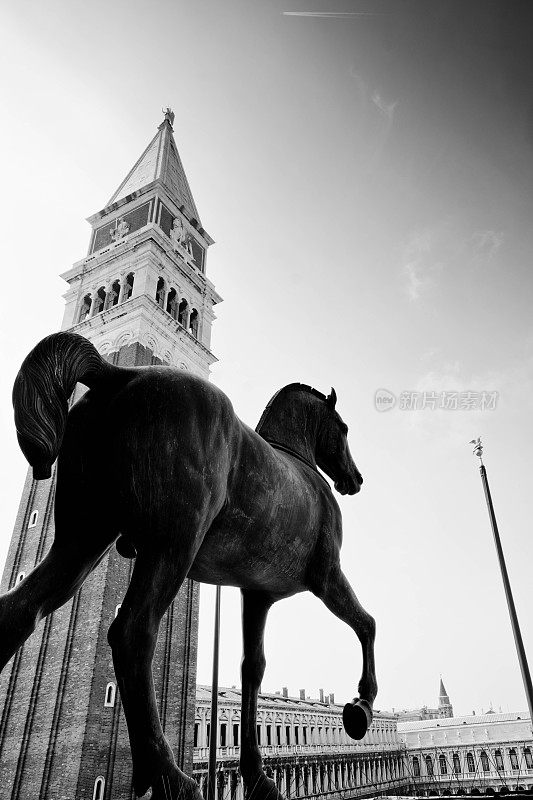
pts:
[196, 493]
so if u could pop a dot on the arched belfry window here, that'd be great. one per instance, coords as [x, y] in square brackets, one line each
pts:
[484, 761]
[110, 694]
[193, 323]
[99, 786]
[34, 516]
[529, 759]
[442, 765]
[470, 762]
[183, 312]
[416, 767]
[429, 765]
[456, 763]
[112, 295]
[128, 288]
[85, 308]
[99, 302]
[160, 292]
[172, 304]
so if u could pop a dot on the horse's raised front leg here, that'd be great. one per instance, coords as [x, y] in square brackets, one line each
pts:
[157, 577]
[339, 597]
[255, 607]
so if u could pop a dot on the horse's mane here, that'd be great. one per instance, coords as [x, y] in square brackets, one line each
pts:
[302, 387]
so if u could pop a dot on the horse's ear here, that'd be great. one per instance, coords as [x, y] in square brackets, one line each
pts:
[331, 400]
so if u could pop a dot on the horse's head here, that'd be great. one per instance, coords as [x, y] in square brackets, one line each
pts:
[332, 451]
[303, 421]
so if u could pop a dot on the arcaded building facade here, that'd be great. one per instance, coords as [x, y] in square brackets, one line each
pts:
[303, 745]
[142, 296]
[482, 753]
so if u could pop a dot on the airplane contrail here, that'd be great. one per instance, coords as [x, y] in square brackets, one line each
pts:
[332, 14]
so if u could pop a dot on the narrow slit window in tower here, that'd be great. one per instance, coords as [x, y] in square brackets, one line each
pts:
[110, 692]
[98, 792]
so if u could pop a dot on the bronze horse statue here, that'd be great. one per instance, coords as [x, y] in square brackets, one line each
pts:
[196, 493]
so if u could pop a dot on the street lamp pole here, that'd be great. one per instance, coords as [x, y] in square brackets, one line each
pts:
[522, 658]
[211, 772]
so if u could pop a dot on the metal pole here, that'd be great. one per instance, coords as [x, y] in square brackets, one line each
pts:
[522, 658]
[211, 773]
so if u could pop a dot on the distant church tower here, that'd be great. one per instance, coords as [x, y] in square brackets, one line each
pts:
[142, 297]
[445, 707]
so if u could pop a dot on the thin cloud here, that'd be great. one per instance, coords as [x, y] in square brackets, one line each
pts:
[387, 109]
[486, 243]
[419, 267]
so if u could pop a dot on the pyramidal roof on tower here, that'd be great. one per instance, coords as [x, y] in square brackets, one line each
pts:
[443, 692]
[160, 161]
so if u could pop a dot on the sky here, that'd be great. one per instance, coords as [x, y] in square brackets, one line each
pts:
[366, 171]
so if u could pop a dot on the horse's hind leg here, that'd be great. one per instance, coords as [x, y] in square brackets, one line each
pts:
[47, 587]
[255, 607]
[157, 577]
[339, 597]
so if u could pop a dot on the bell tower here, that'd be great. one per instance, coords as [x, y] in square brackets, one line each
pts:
[142, 297]
[445, 707]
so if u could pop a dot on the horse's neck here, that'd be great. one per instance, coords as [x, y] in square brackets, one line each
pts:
[292, 428]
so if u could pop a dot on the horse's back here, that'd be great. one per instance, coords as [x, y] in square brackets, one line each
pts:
[153, 440]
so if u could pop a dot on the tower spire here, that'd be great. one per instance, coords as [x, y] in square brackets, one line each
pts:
[160, 165]
[445, 707]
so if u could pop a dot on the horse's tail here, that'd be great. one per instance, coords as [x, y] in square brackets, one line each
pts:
[42, 390]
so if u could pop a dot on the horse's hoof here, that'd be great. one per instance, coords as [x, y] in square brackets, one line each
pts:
[125, 547]
[357, 717]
